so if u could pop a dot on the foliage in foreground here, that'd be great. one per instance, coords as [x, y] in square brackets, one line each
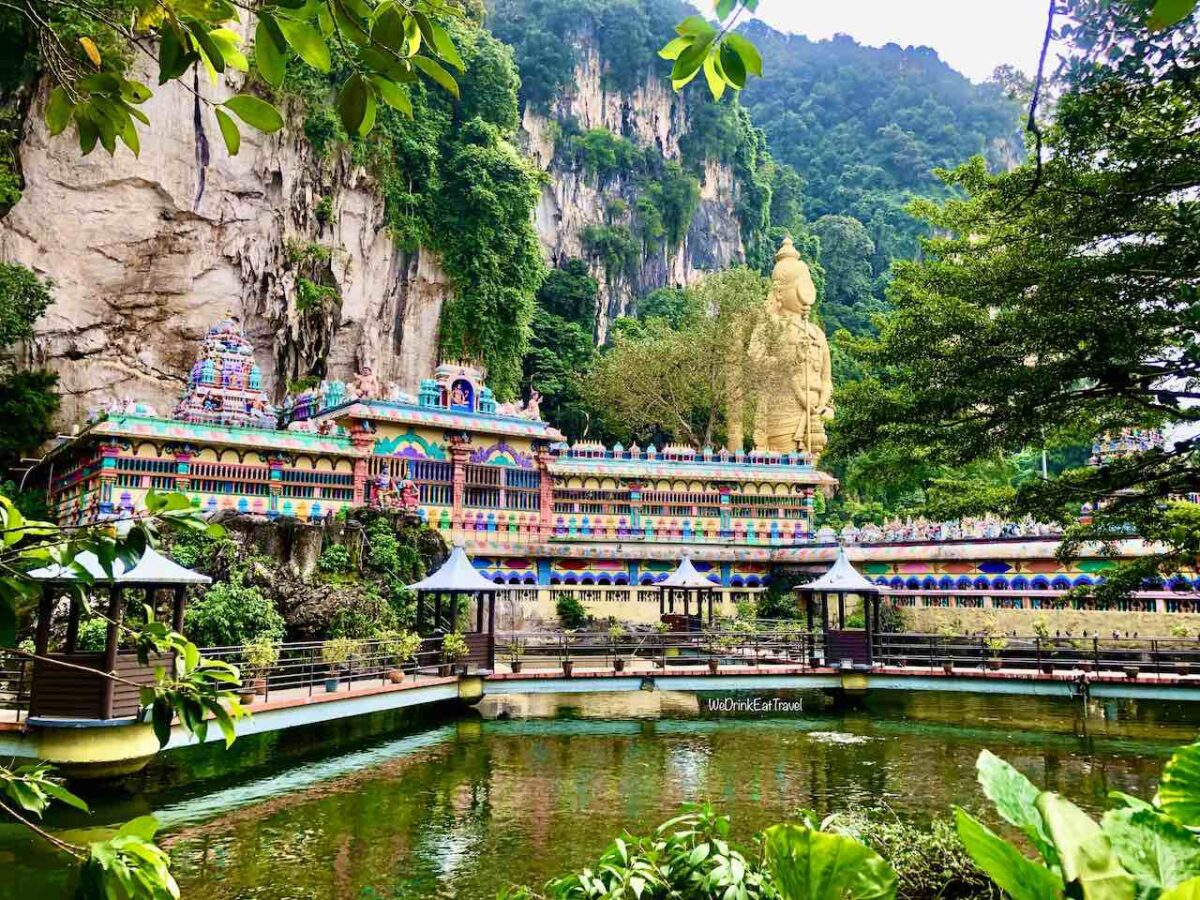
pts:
[186, 686]
[1139, 849]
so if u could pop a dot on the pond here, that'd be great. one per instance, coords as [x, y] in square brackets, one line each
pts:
[526, 787]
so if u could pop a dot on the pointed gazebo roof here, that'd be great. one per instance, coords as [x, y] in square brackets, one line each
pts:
[686, 576]
[456, 575]
[842, 578]
[152, 568]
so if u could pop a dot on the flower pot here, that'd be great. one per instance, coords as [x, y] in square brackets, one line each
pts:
[1047, 668]
[618, 664]
[1183, 668]
[1131, 672]
[444, 670]
[994, 665]
[568, 667]
[713, 665]
[515, 665]
[331, 685]
[260, 686]
[395, 676]
[948, 667]
[245, 697]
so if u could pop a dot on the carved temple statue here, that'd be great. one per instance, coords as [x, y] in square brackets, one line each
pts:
[795, 397]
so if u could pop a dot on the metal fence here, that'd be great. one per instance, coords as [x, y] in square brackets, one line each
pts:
[1156, 656]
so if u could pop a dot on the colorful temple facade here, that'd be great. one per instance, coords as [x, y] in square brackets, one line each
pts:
[530, 509]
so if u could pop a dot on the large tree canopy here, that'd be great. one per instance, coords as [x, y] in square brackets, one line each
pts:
[1062, 298]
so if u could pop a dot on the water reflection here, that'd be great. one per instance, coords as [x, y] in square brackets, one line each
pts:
[530, 786]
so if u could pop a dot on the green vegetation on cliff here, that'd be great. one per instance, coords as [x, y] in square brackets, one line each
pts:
[454, 183]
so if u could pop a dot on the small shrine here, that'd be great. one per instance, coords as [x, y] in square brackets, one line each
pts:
[225, 384]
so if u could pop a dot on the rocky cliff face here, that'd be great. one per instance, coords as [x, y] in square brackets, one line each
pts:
[146, 253]
[652, 116]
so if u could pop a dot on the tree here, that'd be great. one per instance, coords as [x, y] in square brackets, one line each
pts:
[849, 301]
[28, 400]
[659, 381]
[1061, 298]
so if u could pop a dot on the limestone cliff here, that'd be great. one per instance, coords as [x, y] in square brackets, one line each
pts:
[651, 116]
[145, 253]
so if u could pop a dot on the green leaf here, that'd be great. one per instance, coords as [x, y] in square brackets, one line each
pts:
[61, 794]
[1015, 798]
[352, 104]
[813, 865]
[437, 73]
[696, 26]
[306, 41]
[724, 8]
[59, 110]
[269, 53]
[144, 827]
[691, 59]
[8, 622]
[1169, 12]
[1153, 848]
[208, 47]
[1018, 877]
[673, 48]
[751, 58]
[1085, 852]
[255, 112]
[1188, 890]
[715, 77]
[731, 63]
[393, 95]
[1179, 789]
[445, 48]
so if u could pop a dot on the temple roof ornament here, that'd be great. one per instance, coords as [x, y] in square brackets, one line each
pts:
[225, 384]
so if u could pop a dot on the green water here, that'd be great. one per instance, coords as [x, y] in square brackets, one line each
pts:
[458, 805]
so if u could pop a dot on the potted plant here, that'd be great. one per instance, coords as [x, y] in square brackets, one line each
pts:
[1131, 672]
[515, 650]
[338, 653]
[564, 653]
[260, 654]
[454, 648]
[616, 634]
[399, 647]
[995, 644]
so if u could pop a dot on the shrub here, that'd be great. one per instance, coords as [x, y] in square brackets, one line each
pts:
[338, 652]
[454, 647]
[232, 614]
[334, 559]
[570, 611]
[930, 862]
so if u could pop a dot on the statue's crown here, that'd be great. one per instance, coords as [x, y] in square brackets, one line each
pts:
[787, 250]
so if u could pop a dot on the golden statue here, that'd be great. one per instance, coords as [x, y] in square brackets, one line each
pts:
[794, 399]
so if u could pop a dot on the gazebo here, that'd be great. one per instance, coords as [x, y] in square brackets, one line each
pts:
[455, 580]
[62, 692]
[843, 582]
[686, 583]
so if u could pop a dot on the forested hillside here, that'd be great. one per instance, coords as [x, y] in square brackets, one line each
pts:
[867, 126]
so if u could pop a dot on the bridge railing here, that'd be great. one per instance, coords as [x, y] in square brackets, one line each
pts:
[15, 684]
[1038, 653]
[596, 650]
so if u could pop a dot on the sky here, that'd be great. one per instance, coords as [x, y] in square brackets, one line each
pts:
[973, 36]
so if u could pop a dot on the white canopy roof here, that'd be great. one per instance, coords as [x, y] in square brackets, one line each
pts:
[152, 568]
[456, 574]
[841, 578]
[686, 576]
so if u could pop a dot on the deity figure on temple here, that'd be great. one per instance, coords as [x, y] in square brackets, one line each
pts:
[365, 385]
[794, 398]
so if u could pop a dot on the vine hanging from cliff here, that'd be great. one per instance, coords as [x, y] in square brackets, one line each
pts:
[454, 183]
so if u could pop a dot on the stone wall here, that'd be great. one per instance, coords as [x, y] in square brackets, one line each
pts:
[932, 619]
